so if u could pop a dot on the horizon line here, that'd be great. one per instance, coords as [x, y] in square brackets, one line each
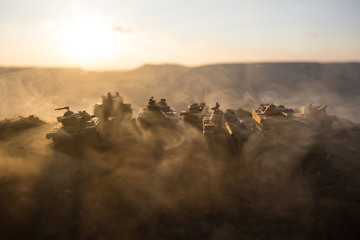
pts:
[169, 63]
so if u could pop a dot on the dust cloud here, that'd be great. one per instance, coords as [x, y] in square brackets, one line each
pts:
[162, 184]
[26, 91]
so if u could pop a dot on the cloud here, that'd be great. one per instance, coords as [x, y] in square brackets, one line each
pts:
[122, 29]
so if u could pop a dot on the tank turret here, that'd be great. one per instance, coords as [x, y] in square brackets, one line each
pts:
[73, 126]
[158, 114]
[269, 115]
[315, 114]
[225, 130]
[194, 115]
[224, 123]
[113, 106]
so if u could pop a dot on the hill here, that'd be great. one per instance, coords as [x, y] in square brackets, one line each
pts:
[26, 91]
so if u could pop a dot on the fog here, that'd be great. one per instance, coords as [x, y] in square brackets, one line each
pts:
[39, 91]
[161, 184]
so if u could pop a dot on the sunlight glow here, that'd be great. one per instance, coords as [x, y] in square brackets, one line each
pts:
[87, 40]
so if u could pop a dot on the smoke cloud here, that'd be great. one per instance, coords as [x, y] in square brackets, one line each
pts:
[164, 184]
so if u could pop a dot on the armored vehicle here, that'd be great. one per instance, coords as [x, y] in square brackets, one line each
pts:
[194, 115]
[212, 124]
[158, 114]
[225, 131]
[113, 106]
[235, 126]
[228, 124]
[315, 114]
[116, 124]
[269, 115]
[79, 126]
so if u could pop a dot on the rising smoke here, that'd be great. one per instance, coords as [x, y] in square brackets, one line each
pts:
[290, 182]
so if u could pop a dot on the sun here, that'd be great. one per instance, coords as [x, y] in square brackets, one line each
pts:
[87, 40]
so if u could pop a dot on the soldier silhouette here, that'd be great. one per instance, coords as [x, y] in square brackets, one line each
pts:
[217, 107]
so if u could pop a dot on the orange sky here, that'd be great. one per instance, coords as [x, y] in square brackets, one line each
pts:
[113, 34]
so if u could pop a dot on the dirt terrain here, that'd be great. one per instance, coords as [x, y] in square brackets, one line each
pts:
[289, 183]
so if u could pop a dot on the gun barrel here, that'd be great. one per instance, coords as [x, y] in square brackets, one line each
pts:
[62, 108]
[230, 131]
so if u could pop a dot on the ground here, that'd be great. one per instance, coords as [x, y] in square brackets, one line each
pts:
[287, 184]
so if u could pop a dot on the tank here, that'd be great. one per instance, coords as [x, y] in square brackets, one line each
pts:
[158, 114]
[113, 106]
[315, 114]
[225, 131]
[116, 124]
[234, 126]
[78, 127]
[194, 115]
[228, 124]
[270, 115]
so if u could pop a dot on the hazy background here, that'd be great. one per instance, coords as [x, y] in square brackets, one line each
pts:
[38, 91]
[289, 183]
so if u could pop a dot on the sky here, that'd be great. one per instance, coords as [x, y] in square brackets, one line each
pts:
[118, 34]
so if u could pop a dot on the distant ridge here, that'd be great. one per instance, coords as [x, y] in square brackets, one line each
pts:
[26, 91]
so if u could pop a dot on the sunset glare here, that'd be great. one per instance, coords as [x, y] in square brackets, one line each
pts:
[113, 34]
[87, 41]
